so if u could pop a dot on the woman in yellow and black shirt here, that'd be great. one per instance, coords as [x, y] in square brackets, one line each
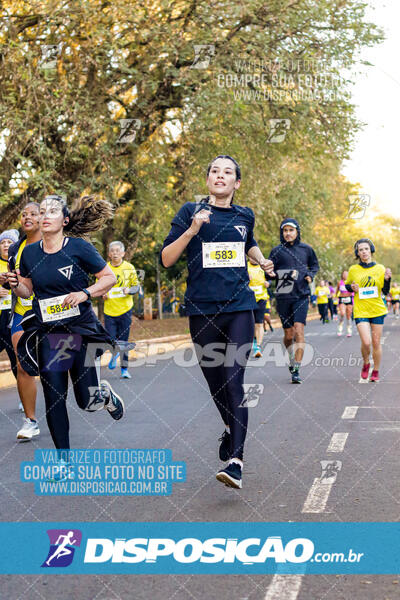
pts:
[368, 280]
[7, 238]
[26, 383]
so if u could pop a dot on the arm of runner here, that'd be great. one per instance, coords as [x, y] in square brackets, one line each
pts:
[171, 253]
[134, 289]
[313, 266]
[388, 279]
[266, 265]
[349, 283]
[105, 281]
[133, 286]
[11, 267]
[21, 286]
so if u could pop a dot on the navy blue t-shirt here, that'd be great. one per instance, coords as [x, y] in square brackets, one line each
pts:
[60, 273]
[216, 289]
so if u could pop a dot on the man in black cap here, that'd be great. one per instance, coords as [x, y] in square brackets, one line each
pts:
[295, 266]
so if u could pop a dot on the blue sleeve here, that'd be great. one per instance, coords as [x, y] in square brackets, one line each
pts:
[251, 242]
[179, 224]
[91, 260]
[313, 265]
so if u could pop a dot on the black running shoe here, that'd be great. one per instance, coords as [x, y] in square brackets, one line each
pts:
[231, 476]
[291, 369]
[225, 446]
[296, 376]
[113, 403]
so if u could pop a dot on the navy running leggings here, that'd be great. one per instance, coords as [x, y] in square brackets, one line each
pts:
[5, 341]
[118, 328]
[54, 366]
[323, 311]
[224, 365]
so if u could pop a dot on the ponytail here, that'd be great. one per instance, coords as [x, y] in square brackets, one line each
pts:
[87, 216]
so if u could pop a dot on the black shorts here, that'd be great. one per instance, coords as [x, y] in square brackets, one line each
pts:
[260, 311]
[395, 301]
[292, 310]
[347, 300]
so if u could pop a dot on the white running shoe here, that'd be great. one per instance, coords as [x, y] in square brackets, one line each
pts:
[28, 430]
[349, 332]
[340, 328]
[112, 402]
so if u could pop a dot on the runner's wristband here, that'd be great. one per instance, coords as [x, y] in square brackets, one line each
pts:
[87, 293]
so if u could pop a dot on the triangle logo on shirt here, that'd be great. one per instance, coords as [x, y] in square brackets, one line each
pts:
[242, 229]
[66, 271]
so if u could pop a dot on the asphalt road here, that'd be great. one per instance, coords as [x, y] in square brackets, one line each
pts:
[291, 430]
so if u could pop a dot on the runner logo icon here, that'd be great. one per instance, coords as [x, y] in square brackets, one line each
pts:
[66, 271]
[62, 547]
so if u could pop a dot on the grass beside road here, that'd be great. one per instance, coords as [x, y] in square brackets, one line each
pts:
[143, 330]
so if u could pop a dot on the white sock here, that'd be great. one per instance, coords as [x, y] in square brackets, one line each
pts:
[291, 355]
[237, 461]
[227, 429]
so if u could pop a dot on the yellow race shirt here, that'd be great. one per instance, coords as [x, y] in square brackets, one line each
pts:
[322, 293]
[257, 282]
[23, 304]
[5, 301]
[395, 293]
[117, 302]
[368, 302]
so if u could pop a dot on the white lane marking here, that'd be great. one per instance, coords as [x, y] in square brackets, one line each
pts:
[317, 497]
[378, 407]
[284, 587]
[386, 428]
[337, 442]
[396, 381]
[349, 412]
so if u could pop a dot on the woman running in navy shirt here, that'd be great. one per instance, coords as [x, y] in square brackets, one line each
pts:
[56, 269]
[217, 235]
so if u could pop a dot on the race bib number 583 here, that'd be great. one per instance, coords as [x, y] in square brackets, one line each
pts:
[223, 254]
[52, 310]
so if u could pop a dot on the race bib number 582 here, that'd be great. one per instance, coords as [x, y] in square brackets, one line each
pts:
[223, 254]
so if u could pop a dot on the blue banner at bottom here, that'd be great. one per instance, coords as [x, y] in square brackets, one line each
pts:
[199, 548]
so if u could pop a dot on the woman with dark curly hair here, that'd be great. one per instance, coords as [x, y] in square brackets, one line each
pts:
[56, 269]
